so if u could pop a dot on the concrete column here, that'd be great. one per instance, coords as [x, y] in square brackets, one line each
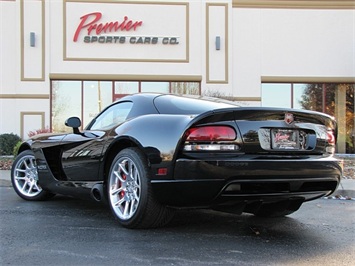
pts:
[340, 115]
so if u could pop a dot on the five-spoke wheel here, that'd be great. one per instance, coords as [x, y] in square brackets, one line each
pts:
[24, 177]
[130, 194]
[125, 188]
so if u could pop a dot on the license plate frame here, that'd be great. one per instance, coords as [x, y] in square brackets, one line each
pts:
[285, 139]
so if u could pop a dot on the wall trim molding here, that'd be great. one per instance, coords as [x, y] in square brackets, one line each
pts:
[25, 96]
[247, 99]
[114, 77]
[225, 48]
[22, 120]
[296, 4]
[277, 79]
[41, 40]
[126, 2]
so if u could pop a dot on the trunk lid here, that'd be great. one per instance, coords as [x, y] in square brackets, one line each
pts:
[276, 131]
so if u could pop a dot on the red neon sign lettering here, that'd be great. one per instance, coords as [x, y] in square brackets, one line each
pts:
[89, 22]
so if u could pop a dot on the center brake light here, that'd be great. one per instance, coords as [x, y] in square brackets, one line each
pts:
[210, 138]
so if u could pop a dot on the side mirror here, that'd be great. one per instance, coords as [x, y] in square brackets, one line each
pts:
[75, 123]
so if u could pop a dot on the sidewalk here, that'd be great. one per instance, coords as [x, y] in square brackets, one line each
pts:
[5, 180]
[346, 188]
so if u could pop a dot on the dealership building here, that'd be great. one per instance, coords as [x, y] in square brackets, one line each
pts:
[67, 58]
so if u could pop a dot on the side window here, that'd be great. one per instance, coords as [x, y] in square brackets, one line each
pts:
[114, 115]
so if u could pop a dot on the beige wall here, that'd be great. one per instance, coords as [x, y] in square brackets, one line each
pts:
[260, 41]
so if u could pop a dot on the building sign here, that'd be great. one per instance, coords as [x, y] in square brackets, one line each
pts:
[92, 24]
[93, 27]
[126, 31]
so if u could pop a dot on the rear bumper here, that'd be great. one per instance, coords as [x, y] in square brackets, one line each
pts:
[208, 183]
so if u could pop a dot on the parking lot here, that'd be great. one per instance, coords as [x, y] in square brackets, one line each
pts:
[66, 231]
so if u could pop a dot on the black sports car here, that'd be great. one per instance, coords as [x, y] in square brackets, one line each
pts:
[149, 154]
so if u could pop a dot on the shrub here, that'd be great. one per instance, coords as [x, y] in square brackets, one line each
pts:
[7, 143]
[16, 148]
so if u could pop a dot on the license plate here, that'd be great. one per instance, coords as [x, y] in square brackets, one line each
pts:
[285, 139]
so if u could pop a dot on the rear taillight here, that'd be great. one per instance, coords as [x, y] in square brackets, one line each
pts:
[331, 142]
[211, 133]
[210, 138]
[330, 137]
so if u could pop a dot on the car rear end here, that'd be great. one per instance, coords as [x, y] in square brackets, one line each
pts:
[256, 155]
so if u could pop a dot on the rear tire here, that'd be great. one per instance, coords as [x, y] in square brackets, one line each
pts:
[24, 178]
[130, 194]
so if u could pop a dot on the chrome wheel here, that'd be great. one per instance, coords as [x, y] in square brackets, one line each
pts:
[25, 176]
[124, 188]
[130, 193]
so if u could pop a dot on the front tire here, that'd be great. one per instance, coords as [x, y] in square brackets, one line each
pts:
[24, 178]
[130, 194]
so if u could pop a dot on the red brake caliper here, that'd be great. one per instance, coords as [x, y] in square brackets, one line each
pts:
[122, 193]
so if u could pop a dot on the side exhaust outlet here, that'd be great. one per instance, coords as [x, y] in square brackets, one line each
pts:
[97, 192]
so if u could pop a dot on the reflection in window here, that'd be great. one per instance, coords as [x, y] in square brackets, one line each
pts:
[85, 99]
[115, 115]
[96, 96]
[334, 99]
[319, 97]
[192, 88]
[66, 102]
[276, 95]
[298, 92]
[160, 87]
[126, 87]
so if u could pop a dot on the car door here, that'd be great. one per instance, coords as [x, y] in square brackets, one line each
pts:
[82, 153]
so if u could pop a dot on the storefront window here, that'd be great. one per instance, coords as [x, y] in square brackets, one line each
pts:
[276, 95]
[96, 96]
[298, 92]
[334, 99]
[66, 102]
[126, 87]
[192, 88]
[85, 99]
[160, 87]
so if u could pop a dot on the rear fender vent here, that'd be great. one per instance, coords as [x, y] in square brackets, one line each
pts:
[53, 158]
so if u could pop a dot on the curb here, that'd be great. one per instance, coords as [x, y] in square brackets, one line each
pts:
[345, 190]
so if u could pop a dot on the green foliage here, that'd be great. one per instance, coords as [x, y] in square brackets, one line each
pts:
[16, 148]
[7, 143]
[323, 98]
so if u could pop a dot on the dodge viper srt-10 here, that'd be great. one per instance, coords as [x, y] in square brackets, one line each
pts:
[147, 155]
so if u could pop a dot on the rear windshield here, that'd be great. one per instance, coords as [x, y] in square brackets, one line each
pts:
[168, 104]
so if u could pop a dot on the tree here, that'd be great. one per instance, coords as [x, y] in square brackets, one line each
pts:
[322, 98]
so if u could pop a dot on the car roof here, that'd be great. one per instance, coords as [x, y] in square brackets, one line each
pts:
[154, 103]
